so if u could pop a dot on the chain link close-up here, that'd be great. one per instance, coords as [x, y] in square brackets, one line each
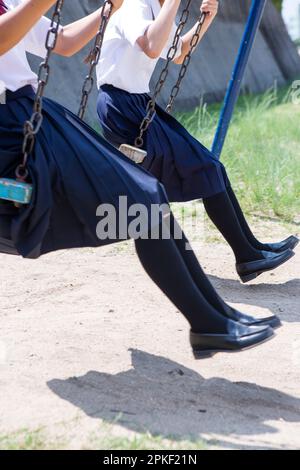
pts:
[139, 141]
[93, 58]
[186, 62]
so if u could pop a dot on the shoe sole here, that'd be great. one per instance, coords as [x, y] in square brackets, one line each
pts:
[249, 277]
[275, 325]
[208, 353]
[293, 246]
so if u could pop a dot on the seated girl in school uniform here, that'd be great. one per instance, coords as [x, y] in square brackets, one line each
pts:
[140, 33]
[73, 170]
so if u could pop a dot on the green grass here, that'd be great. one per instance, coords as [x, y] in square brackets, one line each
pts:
[145, 442]
[261, 153]
[24, 440]
[103, 439]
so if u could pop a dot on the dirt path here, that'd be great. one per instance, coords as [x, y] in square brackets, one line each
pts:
[87, 339]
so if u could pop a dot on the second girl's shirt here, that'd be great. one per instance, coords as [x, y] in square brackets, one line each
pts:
[15, 71]
[123, 64]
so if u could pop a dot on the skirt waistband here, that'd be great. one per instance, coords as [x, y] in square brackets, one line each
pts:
[26, 91]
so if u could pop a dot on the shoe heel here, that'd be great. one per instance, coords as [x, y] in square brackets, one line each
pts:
[202, 354]
[248, 277]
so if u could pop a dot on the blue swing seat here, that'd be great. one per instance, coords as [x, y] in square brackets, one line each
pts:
[15, 191]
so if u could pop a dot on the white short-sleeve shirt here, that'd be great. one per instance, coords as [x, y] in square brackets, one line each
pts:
[15, 71]
[123, 64]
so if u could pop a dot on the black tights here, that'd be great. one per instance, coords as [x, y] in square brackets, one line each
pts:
[200, 278]
[178, 274]
[243, 222]
[223, 214]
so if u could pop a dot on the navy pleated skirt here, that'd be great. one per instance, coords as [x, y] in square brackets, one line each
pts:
[73, 171]
[186, 168]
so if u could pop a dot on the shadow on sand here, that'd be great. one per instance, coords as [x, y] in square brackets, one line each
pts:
[274, 297]
[165, 398]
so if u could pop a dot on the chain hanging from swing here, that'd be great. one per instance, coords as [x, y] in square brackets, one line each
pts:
[94, 57]
[135, 152]
[186, 62]
[18, 191]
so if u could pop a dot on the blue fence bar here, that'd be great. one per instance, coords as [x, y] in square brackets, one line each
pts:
[234, 88]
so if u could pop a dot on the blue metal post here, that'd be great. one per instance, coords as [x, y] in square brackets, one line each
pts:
[234, 88]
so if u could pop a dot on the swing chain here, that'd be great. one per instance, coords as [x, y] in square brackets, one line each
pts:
[93, 57]
[186, 62]
[32, 126]
[151, 106]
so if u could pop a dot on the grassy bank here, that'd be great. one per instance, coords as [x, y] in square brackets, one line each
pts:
[262, 151]
[102, 439]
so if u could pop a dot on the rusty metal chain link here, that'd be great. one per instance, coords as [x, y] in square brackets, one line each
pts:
[93, 58]
[151, 112]
[186, 62]
[32, 126]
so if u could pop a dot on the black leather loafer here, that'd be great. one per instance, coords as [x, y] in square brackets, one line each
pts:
[248, 320]
[288, 244]
[252, 269]
[238, 338]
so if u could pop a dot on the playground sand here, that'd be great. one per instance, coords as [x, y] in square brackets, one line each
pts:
[88, 343]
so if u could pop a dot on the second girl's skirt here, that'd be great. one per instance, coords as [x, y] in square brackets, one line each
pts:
[73, 171]
[186, 168]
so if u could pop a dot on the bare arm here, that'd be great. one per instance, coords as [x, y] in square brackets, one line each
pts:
[73, 37]
[156, 36]
[210, 7]
[15, 24]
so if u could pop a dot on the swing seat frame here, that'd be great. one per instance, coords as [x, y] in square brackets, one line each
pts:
[15, 191]
[135, 154]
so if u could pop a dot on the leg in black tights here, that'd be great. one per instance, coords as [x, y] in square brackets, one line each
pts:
[244, 224]
[197, 273]
[241, 217]
[221, 211]
[182, 279]
[163, 262]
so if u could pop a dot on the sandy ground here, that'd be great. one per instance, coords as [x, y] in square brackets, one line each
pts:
[87, 339]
